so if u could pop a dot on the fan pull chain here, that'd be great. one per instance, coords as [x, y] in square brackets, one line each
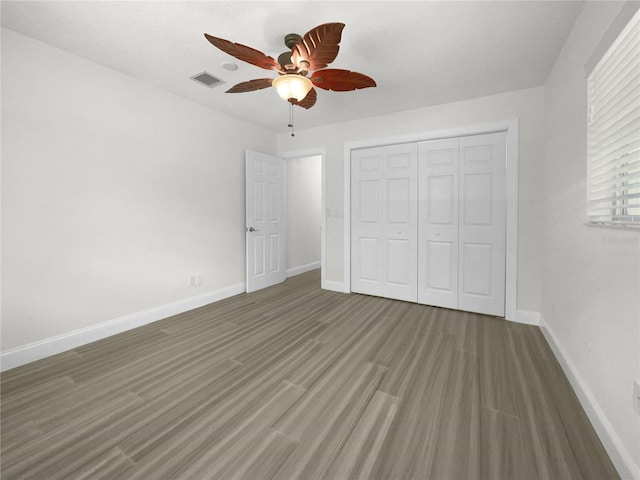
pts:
[291, 119]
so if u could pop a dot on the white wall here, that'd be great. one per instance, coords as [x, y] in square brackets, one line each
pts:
[527, 105]
[591, 276]
[303, 213]
[114, 193]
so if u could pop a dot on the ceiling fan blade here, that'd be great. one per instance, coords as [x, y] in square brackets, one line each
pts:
[308, 101]
[341, 80]
[319, 46]
[244, 53]
[251, 85]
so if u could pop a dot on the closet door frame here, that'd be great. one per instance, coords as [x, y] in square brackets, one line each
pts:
[511, 128]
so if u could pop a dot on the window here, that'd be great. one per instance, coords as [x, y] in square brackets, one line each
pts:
[613, 166]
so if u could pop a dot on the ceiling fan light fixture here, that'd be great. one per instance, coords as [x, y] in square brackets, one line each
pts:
[292, 86]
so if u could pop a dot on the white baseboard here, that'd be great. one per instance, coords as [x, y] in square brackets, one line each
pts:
[619, 455]
[333, 286]
[51, 346]
[527, 317]
[292, 272]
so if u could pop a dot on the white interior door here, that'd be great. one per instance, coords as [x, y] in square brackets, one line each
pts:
[265, 220]
[482, 220]
[384, 221]
[438, 223]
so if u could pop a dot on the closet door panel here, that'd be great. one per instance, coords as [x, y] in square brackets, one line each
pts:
[366, 221]
[482, 223]
[438, 223]
[400, 229]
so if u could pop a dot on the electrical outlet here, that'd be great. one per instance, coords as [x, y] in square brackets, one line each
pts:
[636, 395]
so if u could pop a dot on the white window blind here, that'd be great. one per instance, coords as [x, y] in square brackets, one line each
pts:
[613, 167]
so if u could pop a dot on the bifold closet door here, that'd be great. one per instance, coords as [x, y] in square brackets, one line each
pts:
[384, 229]
[462, 218]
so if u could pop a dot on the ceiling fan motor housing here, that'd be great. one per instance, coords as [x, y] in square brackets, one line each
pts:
[291, 39]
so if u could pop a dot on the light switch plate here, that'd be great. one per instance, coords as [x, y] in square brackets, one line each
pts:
[636, 395]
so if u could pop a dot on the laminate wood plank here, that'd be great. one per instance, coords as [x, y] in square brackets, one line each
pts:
[55, 456]
[217, 312]
[404, 351]
[19, 436]
[496, 367]
[110, 465]
[34, 393]
[298, 329]
[288, 300]
[589, 453]
[537, 344]
[348, 307]
[409, 449]
[97, 408]
[398, 341]
[225, 396]
[123, 354]
[323, 302]
[359, 453]
[457, 453]
[349, 348]
[545, 435]
[224, 437]
[152, 369]
[296, 382]
[337, 404]
[250, 448]
[265, 456]
[125, 342]
[463, 326]
[58, 451]
[504, 455]
[37, 372]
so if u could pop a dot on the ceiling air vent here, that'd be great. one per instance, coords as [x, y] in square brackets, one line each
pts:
[207, 79]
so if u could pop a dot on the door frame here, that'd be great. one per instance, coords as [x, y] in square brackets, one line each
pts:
[511, 128]
[311, 152]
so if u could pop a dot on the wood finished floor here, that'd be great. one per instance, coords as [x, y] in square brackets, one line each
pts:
[293, 382]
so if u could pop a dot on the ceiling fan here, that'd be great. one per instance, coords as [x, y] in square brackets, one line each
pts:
[310, 53]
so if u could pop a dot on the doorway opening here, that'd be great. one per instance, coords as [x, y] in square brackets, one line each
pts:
[305, 211]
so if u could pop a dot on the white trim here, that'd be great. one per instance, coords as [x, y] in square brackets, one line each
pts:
[292, 272]
[321, 151]
[620, 457]
[511, 127]
[527, 317]
[334, 286]
[51, 346]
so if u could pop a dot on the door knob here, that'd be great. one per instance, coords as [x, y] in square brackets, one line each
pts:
[251, 229]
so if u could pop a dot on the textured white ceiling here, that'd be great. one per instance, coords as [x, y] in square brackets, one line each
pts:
[420, 53]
